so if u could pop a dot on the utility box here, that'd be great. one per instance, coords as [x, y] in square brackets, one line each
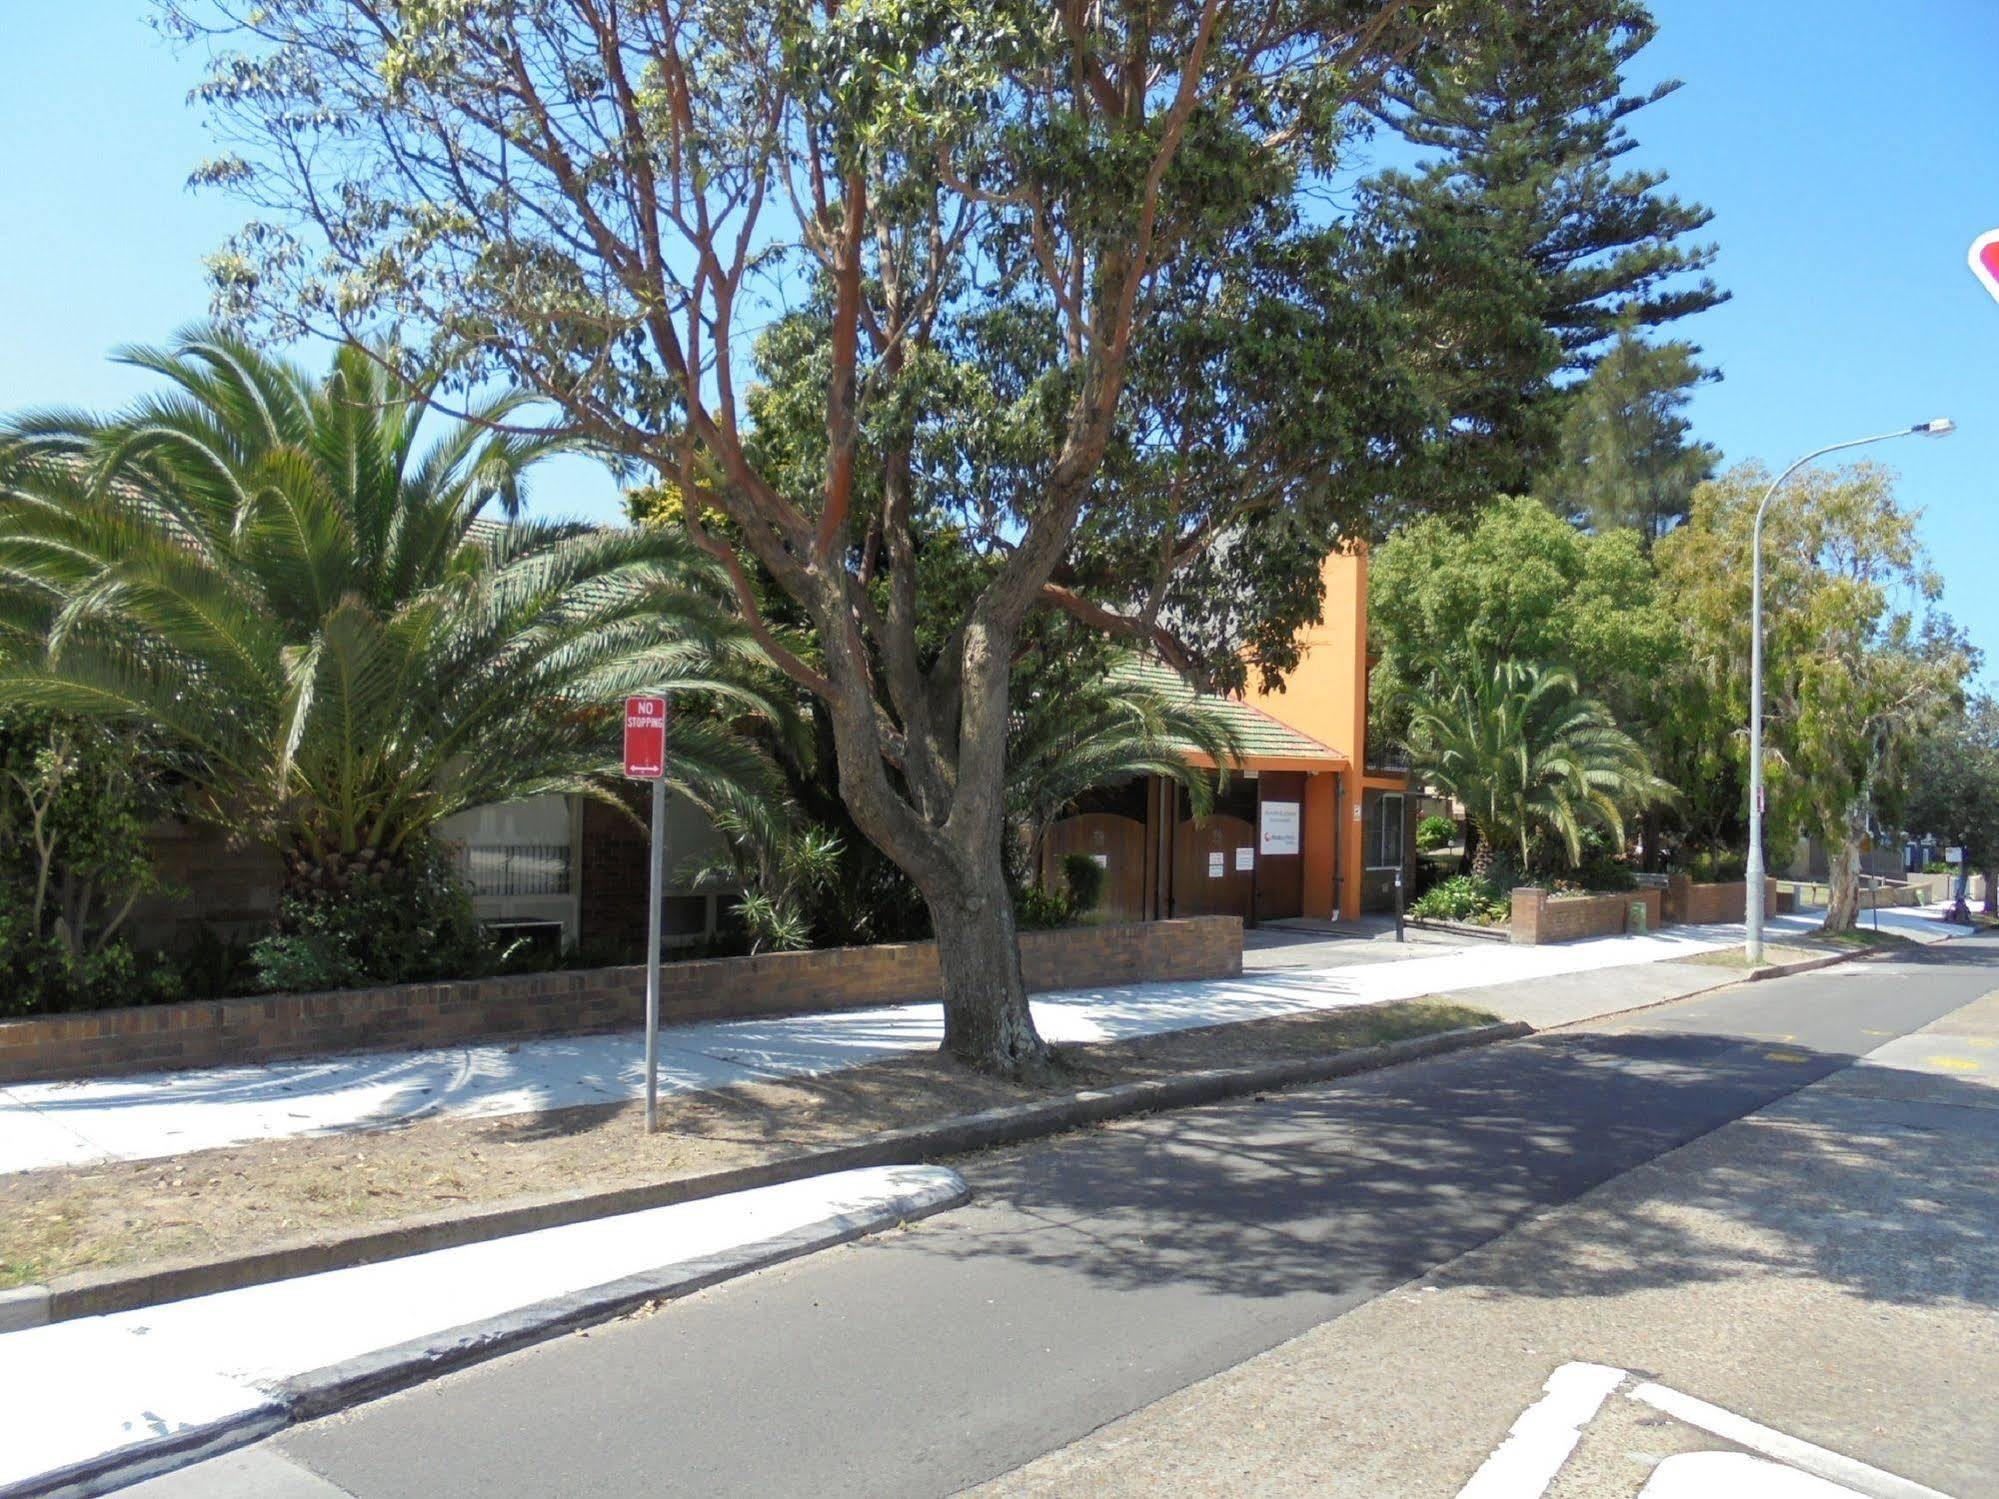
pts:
[1634, 917]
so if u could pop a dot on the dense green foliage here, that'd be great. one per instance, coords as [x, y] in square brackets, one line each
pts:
[1860, 664]
[403, 923]
[270, 575]
[1535, 764]
[1524, 231]
[1517, 583]
[75, 802]
[1953, 789]
[1083, 880]
[1624, 459]
[1463, 897]
[1435, 832]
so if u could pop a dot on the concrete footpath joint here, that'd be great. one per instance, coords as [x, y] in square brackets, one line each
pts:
[96, 1293]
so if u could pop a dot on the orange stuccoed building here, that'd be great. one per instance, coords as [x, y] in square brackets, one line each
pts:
[1305, 827]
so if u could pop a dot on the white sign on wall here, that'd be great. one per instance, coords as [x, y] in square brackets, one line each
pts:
[1217, 864]
[1278, 828]
[1245, 859]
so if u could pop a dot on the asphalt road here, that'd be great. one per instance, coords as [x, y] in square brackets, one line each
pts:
[1098, 1273]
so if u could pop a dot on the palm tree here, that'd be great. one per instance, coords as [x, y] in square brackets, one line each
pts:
[1530, 758]
[272, 574]
[1136, 717]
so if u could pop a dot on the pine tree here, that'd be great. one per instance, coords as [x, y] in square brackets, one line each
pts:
[1623, 458]
[1523, 237]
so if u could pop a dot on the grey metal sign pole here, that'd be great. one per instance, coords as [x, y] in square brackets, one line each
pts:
[652, 952]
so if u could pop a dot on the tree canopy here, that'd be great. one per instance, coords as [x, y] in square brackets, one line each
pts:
[1049, 306]
[1518, 583]
[1859, 662]
[1623, 458]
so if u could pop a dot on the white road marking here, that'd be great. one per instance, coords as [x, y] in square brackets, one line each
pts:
[1730, 1427]
[1734, 1475]
[1522, 1466]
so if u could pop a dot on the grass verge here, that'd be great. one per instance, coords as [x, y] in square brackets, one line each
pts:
[252, 1196]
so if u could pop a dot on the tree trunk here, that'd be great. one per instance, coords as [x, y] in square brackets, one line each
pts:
[1992, 891]
[987, 1023]
[1482, 856]
[1843, 875]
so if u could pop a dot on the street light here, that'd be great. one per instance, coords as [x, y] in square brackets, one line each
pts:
[1943, 426]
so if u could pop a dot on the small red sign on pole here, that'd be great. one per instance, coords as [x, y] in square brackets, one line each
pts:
[645, 738]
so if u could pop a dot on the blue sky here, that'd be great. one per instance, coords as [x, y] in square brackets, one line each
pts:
[1847, 148]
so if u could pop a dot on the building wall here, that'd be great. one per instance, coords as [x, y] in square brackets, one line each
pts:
[229, 887]
[520, 858]
[1326, 697]
[614, 874]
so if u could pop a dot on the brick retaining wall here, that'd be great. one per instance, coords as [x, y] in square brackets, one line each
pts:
[1540, 917]
[211, 1032]
[1703, 905]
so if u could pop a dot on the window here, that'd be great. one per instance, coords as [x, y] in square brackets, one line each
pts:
[1384, 833]
[515, 868]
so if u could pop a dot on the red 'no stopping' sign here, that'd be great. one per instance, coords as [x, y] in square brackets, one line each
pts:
[645, 738]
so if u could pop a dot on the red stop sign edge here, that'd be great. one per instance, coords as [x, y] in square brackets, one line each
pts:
[645, 738]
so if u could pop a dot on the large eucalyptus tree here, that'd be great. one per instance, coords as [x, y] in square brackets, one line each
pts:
[1089, 342]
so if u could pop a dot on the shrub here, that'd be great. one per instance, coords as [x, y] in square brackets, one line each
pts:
[1463, 897]
[387, 925]
[75, 801]
[1434, 832]
[1084, 877]
[1601, 866]
[1038, 910]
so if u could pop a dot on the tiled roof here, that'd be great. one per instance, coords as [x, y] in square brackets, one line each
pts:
[1260, 736]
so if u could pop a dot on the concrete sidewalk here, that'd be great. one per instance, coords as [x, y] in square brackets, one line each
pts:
[102, 1401]
[45, 1125]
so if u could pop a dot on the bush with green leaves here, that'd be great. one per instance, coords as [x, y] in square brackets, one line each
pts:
[1038, 910]
[75, 802]
[1462, 897]
[1084, 877]
[386, 924]
[320, 597]
[1434, 832]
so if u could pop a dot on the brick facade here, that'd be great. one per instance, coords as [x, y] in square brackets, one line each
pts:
[612, 878]
[222, 1031]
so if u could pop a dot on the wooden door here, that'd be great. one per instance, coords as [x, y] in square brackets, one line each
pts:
[1118, 843]
[1280, 878]
[1214, 866]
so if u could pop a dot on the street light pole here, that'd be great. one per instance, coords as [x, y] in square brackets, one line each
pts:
[1753, 894]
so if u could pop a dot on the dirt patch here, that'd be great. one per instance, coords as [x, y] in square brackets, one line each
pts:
[250, 1196]
[1732, 957]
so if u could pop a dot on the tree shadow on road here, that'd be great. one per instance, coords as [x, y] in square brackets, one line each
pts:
[1350, 1189]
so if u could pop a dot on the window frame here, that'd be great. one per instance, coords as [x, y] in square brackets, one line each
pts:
[1377, 834]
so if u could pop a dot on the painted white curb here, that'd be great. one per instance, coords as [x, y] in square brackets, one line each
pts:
[102, 1402]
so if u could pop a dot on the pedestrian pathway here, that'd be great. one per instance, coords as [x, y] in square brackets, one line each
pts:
[154, 1115]
[136, 1392]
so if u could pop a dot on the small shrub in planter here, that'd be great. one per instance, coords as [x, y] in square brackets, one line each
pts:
[1038, 910]
[1435, 832]
[1462, 897]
